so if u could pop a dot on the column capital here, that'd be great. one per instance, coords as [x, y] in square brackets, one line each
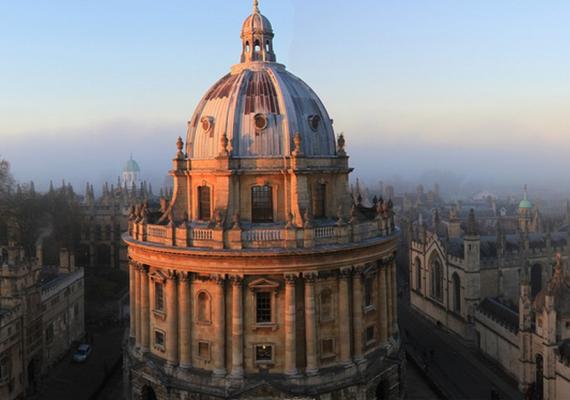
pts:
[172, 275]
[291, 278]
[236, 280]
[185, 276]
[217, 278]
[345, 272]
[310, 277]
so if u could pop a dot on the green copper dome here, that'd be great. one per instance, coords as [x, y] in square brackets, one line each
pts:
[131, 166]
[525, 202]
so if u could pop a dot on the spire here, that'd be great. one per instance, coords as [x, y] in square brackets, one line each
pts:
[525, 196]
[472, 224]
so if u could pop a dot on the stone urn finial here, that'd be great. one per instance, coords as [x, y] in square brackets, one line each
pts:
[340, 142]
[180, 147]
[224, 141]
[297, 142]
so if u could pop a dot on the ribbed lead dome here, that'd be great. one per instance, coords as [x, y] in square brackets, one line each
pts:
[259, 106]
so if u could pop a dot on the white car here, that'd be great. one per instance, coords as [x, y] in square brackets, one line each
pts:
[82, 353]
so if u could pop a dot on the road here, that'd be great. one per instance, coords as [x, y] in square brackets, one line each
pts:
[68, 380]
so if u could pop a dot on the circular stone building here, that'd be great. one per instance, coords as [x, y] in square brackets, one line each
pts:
[260, 277]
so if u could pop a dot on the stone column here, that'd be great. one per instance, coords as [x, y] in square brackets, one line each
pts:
[184, 317]
[290, 327]
[357, 311]
[389, 298]
[171, 319]
[383, 302]
[310, 325]
[132, 299]
[237, 327]
[219, 329]
[145, 310]
[344, 317]
[394, 297]
[138, 305]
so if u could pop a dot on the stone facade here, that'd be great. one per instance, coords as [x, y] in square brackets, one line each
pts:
[41, 316]
[261, 278]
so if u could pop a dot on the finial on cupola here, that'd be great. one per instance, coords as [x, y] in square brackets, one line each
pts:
[256, 6]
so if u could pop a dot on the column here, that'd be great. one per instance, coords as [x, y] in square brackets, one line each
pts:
[344, 317]
[394, 297]
[357, 313]
[132, 298]
[383, 302]
[310, 325]
[389, 298]
[171, 319]
[185, 330]
[237, 328]
[290, 326]
[145, 310]
[138, 305]
[220, 329]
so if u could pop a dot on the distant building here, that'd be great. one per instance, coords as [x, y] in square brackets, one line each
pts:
[41, 316]
[131, 173]
[262, 278]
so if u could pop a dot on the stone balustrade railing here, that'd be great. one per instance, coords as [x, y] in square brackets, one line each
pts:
[278, 236]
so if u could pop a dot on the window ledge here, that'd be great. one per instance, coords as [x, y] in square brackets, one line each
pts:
[328, 356]
[369, 308]
[159, 314]
[159, 348]
[266, 325]
[204, 323]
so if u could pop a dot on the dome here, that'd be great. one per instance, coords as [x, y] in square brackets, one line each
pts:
[131, 166]
[259, 106]
[525, 202]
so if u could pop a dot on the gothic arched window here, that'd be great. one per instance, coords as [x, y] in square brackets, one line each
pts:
[262, 204]
[437, 280]
[456, 292]
[418, 267]
[203, 308]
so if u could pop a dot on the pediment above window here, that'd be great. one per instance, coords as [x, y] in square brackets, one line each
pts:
[264, 284]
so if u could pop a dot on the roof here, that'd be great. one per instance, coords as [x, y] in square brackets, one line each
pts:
[260, 107]
[564, 350]
[502, 313]
[131, 166]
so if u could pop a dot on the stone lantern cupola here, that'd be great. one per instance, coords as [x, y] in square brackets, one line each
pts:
[257, 38]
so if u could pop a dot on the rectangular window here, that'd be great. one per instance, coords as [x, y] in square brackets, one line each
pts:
[158, 296]
[327, 347]
[262, 204]
[369, 334]
[263, 353]
[4, 368]
[320, 205]
[263, 307]
[204, 203]
[368, 290]
[204, 350]
[159, 340]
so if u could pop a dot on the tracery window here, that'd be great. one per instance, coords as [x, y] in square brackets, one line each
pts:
[456, 292]
[437, 280]
[204, 203]
[418, 266]
[262, 204]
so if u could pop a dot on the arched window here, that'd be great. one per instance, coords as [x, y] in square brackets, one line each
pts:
[257, 47]
[325, 305]
[204, 203]
[267, 46]
[158, 296]
[320, 200]
[262, 204]
[203, 308]
[535, 280]
[247, 48]
[539, 378]
[456, 292]
[437, 280]
[418, 267]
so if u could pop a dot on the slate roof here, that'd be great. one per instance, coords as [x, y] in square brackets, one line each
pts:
[501, 313]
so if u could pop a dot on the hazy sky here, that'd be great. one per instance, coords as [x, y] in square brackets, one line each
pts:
[480, 88]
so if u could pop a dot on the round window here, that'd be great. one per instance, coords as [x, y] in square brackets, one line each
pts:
[260, 121]
[314, 122]
[206, 124]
